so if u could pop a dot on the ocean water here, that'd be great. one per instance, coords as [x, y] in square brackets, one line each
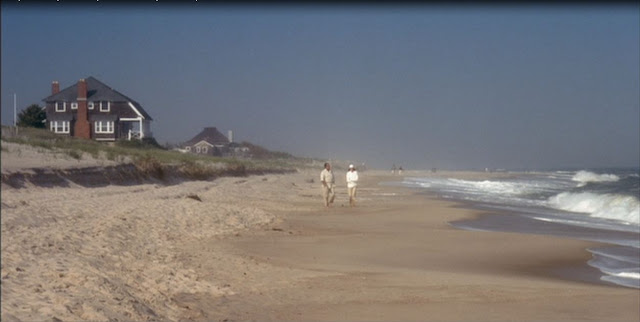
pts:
[595, 205]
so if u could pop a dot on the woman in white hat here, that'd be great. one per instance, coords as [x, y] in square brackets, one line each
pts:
[352, 182]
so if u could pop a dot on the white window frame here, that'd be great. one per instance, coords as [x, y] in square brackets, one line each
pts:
[204, 149]
[104, 127]
[63, 109]
[102, 107]
[198, 149]
[74, 105]
[63, 128]
[188, 148]
[90, 105]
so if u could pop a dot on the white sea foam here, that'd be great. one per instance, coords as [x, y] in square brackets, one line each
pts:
[584, 177]
[490, 187]
[627, 275]
[598, 225]
[628, 279]
[416, 182]
[610, 206]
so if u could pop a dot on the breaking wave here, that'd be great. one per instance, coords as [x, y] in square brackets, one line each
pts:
[585, 177]
[609, 206]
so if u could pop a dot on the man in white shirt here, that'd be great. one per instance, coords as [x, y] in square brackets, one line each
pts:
[326, 177]
[352, 183]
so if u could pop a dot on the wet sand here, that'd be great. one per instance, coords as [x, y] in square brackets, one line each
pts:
[395, 257]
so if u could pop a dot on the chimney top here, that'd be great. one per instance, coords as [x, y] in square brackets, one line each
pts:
[55, 87]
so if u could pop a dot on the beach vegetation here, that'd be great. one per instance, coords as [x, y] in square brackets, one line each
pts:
[197, 170]
[74, 154]
[150, 166]
[259, 152]
[157, 161]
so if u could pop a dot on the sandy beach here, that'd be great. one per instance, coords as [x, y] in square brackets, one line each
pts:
[265, 248]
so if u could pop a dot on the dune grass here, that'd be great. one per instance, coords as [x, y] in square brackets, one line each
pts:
[149, 157]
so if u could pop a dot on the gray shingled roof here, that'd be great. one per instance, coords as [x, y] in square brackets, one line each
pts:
[96, 91]
[211, 135]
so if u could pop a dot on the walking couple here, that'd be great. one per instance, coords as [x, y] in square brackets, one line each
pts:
[328, 182]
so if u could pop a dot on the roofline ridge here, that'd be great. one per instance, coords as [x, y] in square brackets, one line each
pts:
[94, 80]
[113, 89]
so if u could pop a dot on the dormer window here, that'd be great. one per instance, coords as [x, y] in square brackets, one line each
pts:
[61, 106]
[74, 105]
[105, 106]
[90, 105]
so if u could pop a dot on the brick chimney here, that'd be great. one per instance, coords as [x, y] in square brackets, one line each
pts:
[82, 128]
[55, 88]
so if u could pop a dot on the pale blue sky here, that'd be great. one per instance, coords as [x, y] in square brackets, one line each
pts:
[419, 86]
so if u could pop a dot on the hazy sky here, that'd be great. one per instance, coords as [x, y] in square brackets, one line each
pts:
[420, 86]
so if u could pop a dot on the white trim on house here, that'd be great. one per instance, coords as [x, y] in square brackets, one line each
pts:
[104, 127]
[108, 108]
[135, 110]
[74, 105]
[145, 129]
[64, 107]
[205, 142]
[201, 146]
[90, 105]
[63, 128]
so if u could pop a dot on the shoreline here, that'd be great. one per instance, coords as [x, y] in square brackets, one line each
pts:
[434, 271]
[264, 248]
[578, 272]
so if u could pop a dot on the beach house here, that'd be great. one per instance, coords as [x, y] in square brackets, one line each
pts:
[211, 142]
[208, 142]
[92, 110]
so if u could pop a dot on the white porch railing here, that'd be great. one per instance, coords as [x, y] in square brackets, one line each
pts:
[134, 135]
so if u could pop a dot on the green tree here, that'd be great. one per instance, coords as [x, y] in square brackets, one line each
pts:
[32, 116]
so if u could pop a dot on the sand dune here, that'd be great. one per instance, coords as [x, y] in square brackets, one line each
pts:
[113, 252]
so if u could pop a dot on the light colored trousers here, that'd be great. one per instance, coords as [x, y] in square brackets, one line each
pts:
[328, 194]
[352, 195]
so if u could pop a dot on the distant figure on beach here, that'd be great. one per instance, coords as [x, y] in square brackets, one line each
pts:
[326, 177]
[352, 183]
[393, 169]
[400, 170]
